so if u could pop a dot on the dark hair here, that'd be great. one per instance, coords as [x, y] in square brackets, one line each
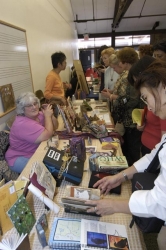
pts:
[139, 67]
[160, 45]
[151, 78]
[57, 57]
[146, 49]
[127, 55]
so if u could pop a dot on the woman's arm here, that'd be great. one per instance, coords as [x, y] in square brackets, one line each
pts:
[110, 182]
[49, 129]
[109, 206]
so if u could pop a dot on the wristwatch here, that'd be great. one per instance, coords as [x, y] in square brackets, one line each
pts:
[125, 176]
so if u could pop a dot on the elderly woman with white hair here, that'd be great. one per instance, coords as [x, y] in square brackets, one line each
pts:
[30, 127]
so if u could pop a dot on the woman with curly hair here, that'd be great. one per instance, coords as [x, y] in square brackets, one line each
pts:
[145, 49]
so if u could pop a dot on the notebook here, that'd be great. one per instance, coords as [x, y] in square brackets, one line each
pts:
[65, 234]
[21, 216]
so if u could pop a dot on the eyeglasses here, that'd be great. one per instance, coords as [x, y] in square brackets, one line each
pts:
[144, 100]
[31, 105]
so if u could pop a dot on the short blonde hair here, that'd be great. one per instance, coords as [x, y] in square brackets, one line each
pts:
[108, 51]
[113, 59]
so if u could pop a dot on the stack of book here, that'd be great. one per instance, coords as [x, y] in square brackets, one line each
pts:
[75, 198]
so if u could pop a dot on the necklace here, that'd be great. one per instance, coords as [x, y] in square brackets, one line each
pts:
[112, 74]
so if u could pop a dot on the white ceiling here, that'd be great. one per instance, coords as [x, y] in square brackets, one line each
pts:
[105, 9]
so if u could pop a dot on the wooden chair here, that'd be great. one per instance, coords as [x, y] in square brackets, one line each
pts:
[40, 95]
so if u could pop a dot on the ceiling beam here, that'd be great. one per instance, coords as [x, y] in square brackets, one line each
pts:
[105, 19]
[121, 6]
[126, 33]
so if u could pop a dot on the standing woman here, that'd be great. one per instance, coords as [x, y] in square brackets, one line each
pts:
[144, 203]
[159, 49]
[145, 49]
[119, 87]
[153, 127]
[30, 127]
[110, 76]
[126, 103]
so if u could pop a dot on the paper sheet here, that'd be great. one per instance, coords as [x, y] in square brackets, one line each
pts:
[54, 207]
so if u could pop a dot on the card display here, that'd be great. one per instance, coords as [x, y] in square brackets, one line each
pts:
[21, 216]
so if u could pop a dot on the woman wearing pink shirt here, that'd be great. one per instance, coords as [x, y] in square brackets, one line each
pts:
[30, 127]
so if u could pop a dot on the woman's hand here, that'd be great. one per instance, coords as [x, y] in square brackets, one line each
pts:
[67, 85]
[107, 183]
[47, 110]
[108, 206]
[106, 93]
[101, 207]
[100, 70]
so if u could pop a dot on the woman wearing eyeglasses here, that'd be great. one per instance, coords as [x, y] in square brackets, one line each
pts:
[30, 127]
[143, 203]
[153, 127]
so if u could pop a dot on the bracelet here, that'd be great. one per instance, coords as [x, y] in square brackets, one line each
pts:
[125, 176]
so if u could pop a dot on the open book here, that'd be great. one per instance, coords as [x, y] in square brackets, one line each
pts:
[75, 197]
[42, 179]
[103, 235]
[89, 234]
[15, 242]
[138, 116]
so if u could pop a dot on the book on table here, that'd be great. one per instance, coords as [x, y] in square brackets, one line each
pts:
[96, 176]
[8, 196]
[21, 216]
[43, 185]
[73, 170]
[87, 234]
[103, 162]
[75, 198]
[42, 179]
[15, 242]
[21, 187]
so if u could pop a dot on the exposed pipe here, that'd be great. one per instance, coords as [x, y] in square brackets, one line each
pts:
[142, 8]
[93, 7]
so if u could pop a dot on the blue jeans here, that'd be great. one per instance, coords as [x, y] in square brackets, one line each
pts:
[19, 164]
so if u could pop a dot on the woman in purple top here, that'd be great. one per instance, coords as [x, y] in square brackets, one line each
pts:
[30, 127]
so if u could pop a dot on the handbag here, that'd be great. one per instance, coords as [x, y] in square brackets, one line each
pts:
[77, 148]
[145, 181]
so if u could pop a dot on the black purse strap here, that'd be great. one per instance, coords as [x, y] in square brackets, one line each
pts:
[153, 166]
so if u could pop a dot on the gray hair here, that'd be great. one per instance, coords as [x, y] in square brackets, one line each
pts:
[23, 100]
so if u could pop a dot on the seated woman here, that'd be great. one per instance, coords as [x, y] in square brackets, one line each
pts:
[30, 127]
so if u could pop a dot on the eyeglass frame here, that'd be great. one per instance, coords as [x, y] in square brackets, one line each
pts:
[31, 105]
[142, 98]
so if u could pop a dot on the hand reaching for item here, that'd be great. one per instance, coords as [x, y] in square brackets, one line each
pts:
[107, 183]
